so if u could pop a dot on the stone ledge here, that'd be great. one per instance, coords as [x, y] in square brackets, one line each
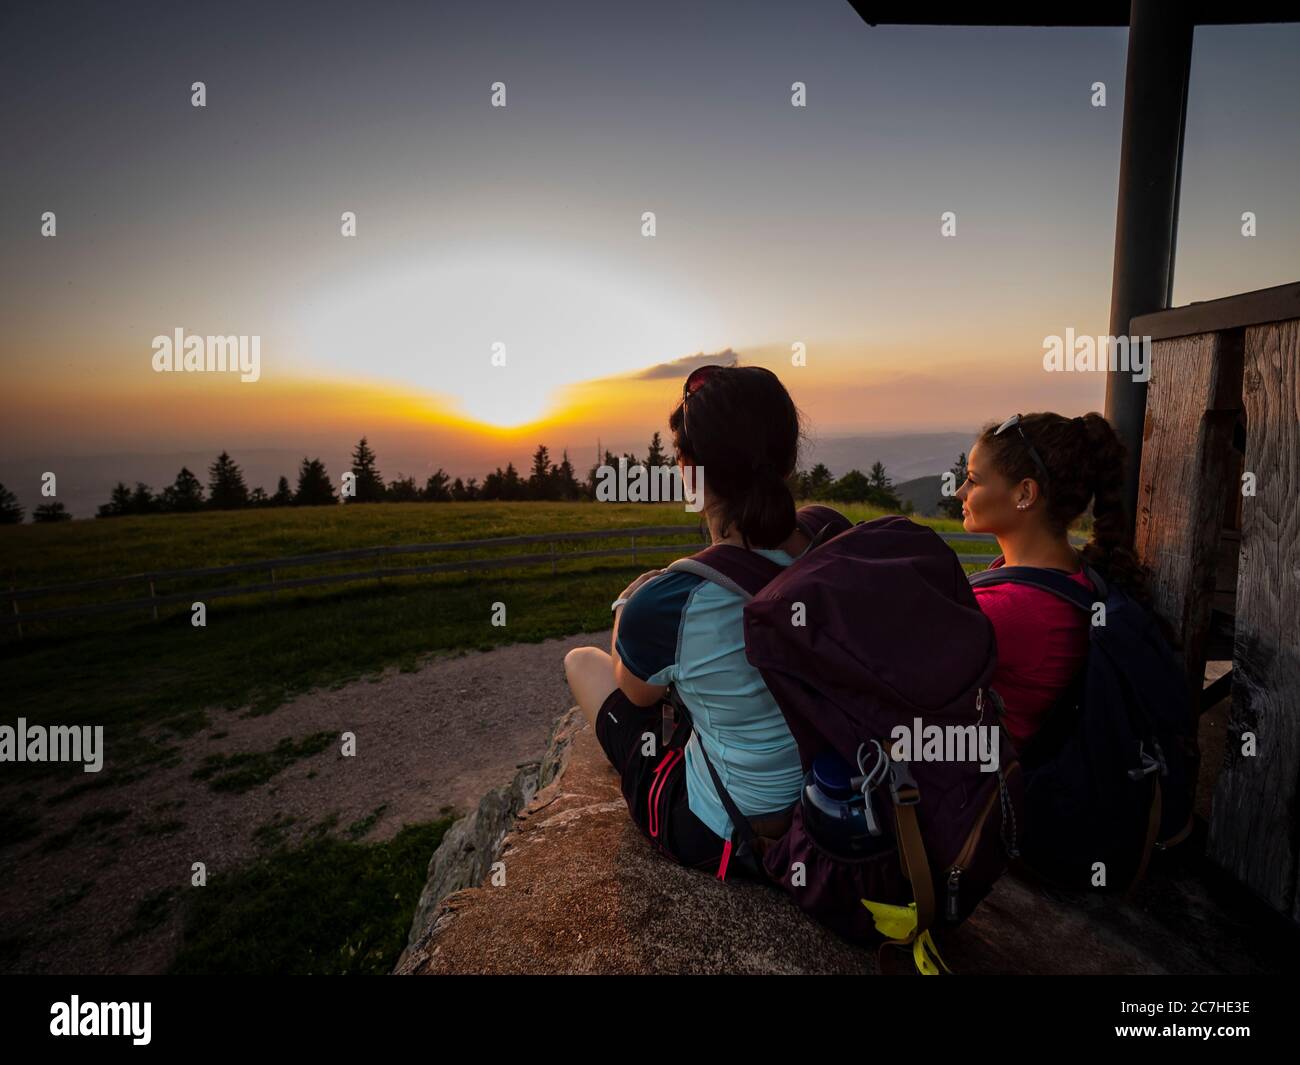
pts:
[585, 892]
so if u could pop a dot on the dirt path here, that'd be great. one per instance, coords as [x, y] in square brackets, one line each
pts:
[426, 741]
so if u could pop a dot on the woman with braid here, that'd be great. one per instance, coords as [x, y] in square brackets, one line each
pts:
[1028, 480]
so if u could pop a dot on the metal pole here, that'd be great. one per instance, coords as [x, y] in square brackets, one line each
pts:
[1146, 220]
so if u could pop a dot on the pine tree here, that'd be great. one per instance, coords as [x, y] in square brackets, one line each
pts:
[184, 494]
[226, 487]
[403, 490]
[119, 503]
[142, 500]
[879, 478]
[369, 482]
[50, 512]
[511, 485]
[655, 457]
[314, 487]
[436, 490]
[951, 505]
[283, 494]
[539, 480]
[567, 484]
[10, 512]
[819, 482]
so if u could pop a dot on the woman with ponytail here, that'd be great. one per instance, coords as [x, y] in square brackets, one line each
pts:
[738, 430]
[1028, 480]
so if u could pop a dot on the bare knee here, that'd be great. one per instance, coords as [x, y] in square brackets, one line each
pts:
[573, 661]
[590, 674]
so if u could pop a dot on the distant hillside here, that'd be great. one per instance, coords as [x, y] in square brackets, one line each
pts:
[906, 455]
[924, 493]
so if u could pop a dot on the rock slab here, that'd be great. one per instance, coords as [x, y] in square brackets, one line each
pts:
[585, 892]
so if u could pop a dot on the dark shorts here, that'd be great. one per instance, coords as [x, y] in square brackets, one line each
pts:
[654, 785]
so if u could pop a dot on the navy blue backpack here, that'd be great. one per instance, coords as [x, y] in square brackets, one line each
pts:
[1108, 775]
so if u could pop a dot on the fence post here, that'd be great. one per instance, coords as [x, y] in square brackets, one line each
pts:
[153, 596]
[552, 558]
[271, 570]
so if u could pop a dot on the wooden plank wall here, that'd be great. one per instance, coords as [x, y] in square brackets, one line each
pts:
[1193, 401]
[1255, 826]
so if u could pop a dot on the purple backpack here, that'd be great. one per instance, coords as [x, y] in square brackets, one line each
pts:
[891, 635]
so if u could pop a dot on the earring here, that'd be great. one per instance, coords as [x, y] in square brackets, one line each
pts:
[1021, 506]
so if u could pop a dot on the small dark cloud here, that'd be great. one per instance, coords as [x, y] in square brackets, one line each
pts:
[681, 367]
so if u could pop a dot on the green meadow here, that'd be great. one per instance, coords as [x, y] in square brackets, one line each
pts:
[153, 683]
[256, 651]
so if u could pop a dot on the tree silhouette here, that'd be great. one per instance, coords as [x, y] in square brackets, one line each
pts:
[369, 484]
[283, 494]
[142, 500]
[226, 487]
[403, 490]
[436, 489]
[567, 486]
[539, 480]
[655, 456]
[951, 505]
[10, 512]
[314, 487]
[879, 478]
[50, 512]
[184, 494]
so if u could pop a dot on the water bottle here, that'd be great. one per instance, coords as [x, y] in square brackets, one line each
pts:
[836, 813]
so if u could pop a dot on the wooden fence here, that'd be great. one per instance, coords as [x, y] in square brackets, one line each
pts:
[275, 581]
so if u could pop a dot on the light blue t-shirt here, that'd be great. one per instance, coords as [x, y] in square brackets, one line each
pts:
[679, 628]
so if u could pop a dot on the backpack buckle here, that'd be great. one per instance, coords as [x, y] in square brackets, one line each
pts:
[1149, 764]
[869, 781]
[902, 785]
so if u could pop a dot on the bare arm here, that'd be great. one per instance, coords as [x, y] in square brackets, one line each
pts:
[638, 691]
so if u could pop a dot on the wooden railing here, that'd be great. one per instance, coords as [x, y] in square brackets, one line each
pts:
[276, 583]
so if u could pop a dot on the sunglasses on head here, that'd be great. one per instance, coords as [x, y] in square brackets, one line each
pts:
[694, 381]
[1014, 423]
[696, 378]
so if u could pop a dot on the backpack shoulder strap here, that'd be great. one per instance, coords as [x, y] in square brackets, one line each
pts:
[1045, 580]
[819, 523]
[740, 571]
[747, 572]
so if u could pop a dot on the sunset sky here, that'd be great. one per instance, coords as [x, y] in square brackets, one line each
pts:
[522, 225]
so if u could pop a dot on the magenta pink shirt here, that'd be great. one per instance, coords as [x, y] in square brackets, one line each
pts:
[1042, 642]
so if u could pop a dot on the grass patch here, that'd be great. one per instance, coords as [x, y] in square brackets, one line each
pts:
[152, 911]
[270, 834]
[145, 681]
[362, 826]
[249, 769]
[330, 906]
